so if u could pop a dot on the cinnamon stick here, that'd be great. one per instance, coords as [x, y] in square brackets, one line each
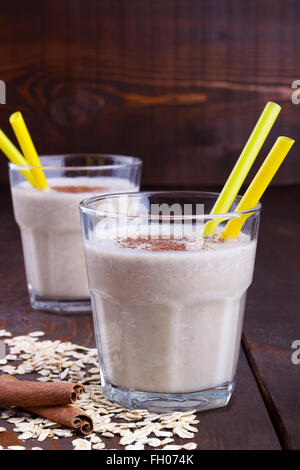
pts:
[23, 393]
[68, 415]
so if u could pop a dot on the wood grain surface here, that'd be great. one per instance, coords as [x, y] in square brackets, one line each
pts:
[264, 412]
[179, 83]
[272, 321]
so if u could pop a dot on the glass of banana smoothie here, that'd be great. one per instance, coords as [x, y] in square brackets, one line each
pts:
[168, 301]
[50, 228]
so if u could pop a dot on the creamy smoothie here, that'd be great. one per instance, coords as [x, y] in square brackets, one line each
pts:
[51, 233]
[169, 312]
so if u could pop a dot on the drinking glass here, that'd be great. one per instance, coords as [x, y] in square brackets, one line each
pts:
[168, 300]
[50, 224]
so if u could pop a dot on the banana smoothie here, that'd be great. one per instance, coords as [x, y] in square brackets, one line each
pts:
[168, 312]
[49, 222]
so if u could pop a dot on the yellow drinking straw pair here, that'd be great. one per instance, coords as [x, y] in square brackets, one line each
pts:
[230, 190]
[34, 175]
[262, 179]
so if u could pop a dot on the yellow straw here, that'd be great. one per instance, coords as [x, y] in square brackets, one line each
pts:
[259, 184]
[28, 148]
[243, 165]
[15, 156]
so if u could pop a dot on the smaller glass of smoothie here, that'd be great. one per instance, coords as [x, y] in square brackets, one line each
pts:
[168, 301]
[50, 228]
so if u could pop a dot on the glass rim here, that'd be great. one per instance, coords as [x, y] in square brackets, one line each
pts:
[84, 206]
[129, 161]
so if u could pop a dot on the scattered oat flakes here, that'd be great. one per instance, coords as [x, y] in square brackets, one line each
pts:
[11, 357]
[43, 435]
[25, 435]
[183, 433]
[153, 442]
[81, 444]
[16, 448]
[56, 361]
[127, 440]
[45, 372]
[190, 446]
[167, 440]
[94, 439]
[15, 420]
[34, 334]
[99, 446]
[172, 447]
[135, 447]
[4, 333]
[160, 433]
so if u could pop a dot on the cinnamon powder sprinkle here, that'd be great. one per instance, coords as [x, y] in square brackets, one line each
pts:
[80, 189]
[151, 243]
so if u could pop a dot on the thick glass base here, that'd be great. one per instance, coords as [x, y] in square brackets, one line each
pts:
[168, 403]
[59, 306]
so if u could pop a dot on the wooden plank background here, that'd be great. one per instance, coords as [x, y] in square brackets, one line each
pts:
[272, 318]
[179, 83]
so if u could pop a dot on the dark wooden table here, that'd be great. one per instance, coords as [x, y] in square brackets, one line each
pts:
[264, 412]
